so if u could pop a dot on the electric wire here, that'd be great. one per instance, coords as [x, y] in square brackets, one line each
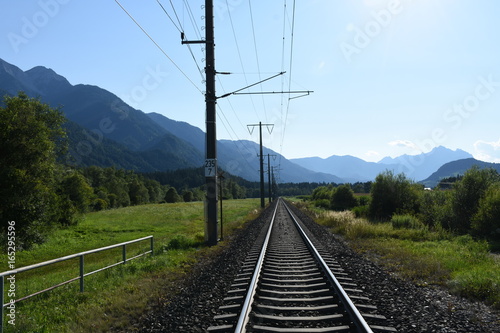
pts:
[181, 30]
[256, 53]
[283, 60]
[232, 108]
[232, 140]
[175, 12]
[239, 56]
[289, 79]
[157, 45]
[168, 15]
[193, 21]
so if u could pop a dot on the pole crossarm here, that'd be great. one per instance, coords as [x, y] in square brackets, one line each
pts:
[254, 84]
[267, 126]
[304, 92]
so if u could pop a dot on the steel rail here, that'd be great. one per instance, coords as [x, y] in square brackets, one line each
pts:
[354, 313]
[246, 308]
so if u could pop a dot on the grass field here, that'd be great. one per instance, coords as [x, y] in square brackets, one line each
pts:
[460, 263]
[114, 296]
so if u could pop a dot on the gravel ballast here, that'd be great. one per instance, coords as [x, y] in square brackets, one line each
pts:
[408, 308]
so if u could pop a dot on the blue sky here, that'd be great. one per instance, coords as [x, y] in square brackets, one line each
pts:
[389, 76]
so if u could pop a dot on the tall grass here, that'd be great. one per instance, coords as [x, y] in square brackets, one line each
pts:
[406, 246]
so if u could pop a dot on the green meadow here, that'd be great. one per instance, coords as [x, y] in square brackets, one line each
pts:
[114, 296]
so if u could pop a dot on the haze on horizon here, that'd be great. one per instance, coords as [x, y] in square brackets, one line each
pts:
[390, 77]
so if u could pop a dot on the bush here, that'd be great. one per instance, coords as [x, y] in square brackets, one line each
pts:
[99, 204]
[171, 196]
[435, 208]
[361, 211]
[406, 222]
[343, 198]
[467, 194]
[486, 221]
[393, 194]
[322, 203]
[323, 192]
[364, 200]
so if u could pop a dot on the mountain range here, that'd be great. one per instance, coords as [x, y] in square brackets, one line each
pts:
[103, 130]
[352, 169]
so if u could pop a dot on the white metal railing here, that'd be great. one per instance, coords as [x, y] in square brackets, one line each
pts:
[81, 276]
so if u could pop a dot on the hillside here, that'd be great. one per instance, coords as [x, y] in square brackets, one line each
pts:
[456, 168]
[105, 131]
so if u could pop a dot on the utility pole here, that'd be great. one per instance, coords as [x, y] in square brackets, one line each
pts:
[262, 194]
[269, 175]
[211, 233]
[211, 136]
[274, 185]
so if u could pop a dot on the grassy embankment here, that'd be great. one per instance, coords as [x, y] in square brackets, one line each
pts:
[435, 257]
[116, 295]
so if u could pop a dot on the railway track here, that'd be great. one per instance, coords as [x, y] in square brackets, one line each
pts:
[288, 284]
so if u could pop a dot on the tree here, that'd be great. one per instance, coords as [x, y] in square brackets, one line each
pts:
[486, 221]
[171, 196]
[31, 137]
[76, 188]
[138, 192]
[467, 193]
[393, 194]
[188, 196]
[343, 198]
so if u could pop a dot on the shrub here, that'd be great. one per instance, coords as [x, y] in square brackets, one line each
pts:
[406, 222]
[323, 192]
[171, 196]
[486, 221]
[322, 203]
[360, 211]
[99, 204]
[343, 198]
[435, 208]
[467, 195]
[364, 200]
[393, 194]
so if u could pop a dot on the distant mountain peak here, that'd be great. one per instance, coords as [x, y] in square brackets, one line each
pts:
[46, 79]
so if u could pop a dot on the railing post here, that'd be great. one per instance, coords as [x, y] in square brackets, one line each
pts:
[152, 245]
[124, 252]
[1, 303]
[82, 274]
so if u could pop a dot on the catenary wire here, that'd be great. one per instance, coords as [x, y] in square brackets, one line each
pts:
[256, 53]
[239, 56]
[289, 79]
[158, 46]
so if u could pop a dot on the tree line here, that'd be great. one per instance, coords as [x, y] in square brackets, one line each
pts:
[40, 192]
[467, 204]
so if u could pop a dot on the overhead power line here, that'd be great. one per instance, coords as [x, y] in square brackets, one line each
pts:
[168, 15]
[256, 53]
[157, 45]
